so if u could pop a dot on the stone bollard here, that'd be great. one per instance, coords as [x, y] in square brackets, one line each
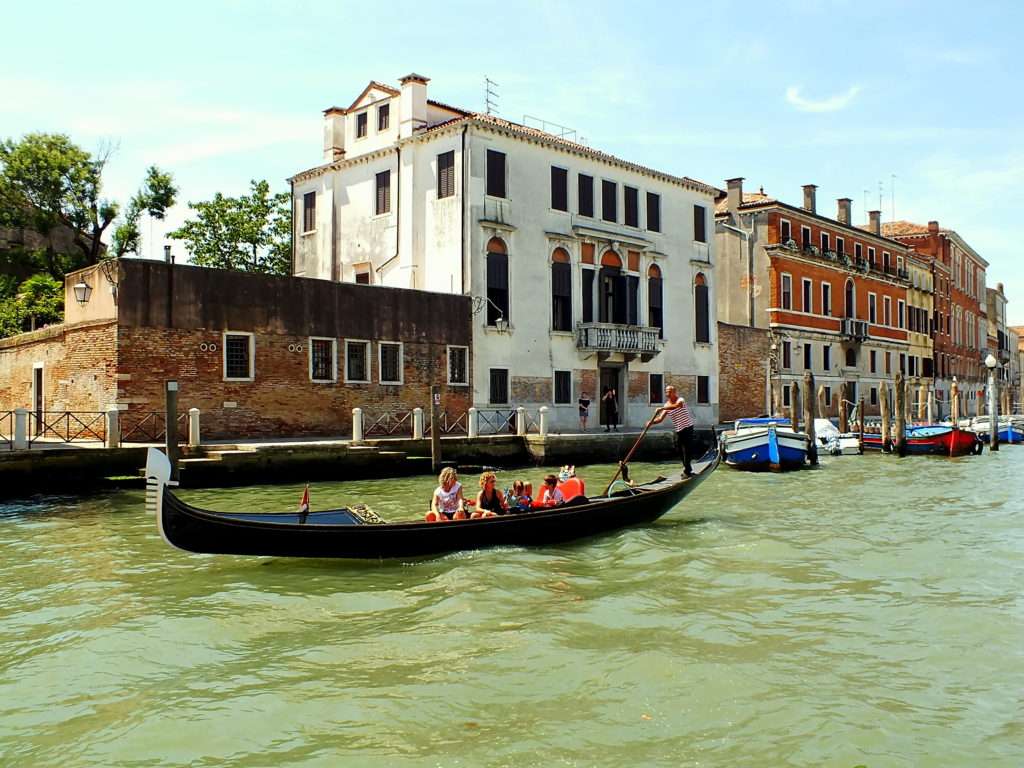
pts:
[473, 423]
[520, 420]
[543, 421]
[20, 429]
[194, 439]
[357, 425]
[417, 423]
[113, 427]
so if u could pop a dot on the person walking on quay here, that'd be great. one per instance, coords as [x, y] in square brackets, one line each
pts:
[611, 409]
[584, 410]
[682, 423]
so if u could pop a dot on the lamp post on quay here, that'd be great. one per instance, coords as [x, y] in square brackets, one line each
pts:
[993, 403]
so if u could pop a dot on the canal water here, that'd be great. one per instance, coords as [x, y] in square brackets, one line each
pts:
[865, 614]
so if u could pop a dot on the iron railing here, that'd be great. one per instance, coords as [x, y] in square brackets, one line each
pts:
[149, 426]
[450, 423]
[388, 423]
[503, 421]
[67, 426]
[7, 429]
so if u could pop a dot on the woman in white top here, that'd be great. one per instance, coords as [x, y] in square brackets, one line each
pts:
[447, 502]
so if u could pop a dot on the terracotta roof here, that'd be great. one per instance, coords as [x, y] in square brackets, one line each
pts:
[372, 84]
[749, 199]
[897, 228]
[449, 107]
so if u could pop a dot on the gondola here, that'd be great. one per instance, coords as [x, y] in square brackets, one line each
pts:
[357, 533]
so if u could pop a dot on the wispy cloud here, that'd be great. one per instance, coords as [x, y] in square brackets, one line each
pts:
[830, 104]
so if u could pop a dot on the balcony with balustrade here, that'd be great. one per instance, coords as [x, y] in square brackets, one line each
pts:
[607, 339]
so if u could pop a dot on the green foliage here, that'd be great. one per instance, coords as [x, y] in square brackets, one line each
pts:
[38, 301]
[155, 197]
[251, 233]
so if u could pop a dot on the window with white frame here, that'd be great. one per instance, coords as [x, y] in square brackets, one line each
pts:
[357, 361]
[322, 359]
[901, 311]
[872, 308]
[458, 366]
[239, 356]
[886, 311]
[787, 291]
[390, 362]
[840, 246]
[826, 299]
[807, 304]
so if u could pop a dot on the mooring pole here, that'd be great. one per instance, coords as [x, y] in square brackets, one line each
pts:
[810, 407]
[901, 415]
[993, 416]
[794, 413]
[860, 422]
[844, 421]
[435, 428]
[883, 408]
[171, 426]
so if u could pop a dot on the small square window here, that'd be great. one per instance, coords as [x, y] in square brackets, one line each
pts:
[458, 366]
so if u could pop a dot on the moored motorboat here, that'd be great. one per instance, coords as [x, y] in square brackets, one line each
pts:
[358, 533]
[932, 440]
[764, 443]
[1010, 429]
[835, 442]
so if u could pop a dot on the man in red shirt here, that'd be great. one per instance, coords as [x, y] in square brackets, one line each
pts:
[682, 423]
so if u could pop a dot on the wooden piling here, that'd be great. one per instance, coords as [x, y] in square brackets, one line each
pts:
[993, 439]
[883, 407]
[954, 403]
[844, 423]
[822, 406]
[860, 423]
[794, 399]
[171, 426]
[810, 409]
[901, 415]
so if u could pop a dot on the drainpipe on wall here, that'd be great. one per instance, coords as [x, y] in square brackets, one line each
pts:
[748, 240]
[291, 234]
[465, 204]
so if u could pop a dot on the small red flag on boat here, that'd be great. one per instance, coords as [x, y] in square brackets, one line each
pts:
[304, 504]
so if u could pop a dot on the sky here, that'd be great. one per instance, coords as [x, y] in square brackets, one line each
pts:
[913, 102]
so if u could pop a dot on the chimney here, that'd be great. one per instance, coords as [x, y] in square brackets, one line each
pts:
[810, 198]
[875, 222]
[334, 134]
[734, 197]
[844, 210]
[168, 256]
[933, 227]
[413, 106]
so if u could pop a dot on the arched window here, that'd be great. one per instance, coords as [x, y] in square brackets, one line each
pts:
[612, 289]
[655, 316]
[850, 310]
[702, 316]
[561, 291]
[497, 281]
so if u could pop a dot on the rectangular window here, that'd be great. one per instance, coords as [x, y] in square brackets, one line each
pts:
[858, 251]
[653, 212]
[840, 246]
[657, 392]
[900, 313]
[787, 292]
[383, 204]
[238, 357]
[363, 277]
[361, 125]
[446, 174]
[703, 390]
[383, 117]
[631, 200]
[824, 241]
[609, 200]
[700, 225]
[559, 189]
[390, 362]
[874, 396]
[585, 192]
[458, 366]
[499, 386]
[808, 356]
[871, 257]
[805, 237]
[563, 387]
[807, 302]
[872, 309]
[885, 260]
[495, 173]
[903, 363]
[357, 362]
[787, 355]
[655, 305]
[322, 359]
[561, 297]
[874, 361]
[785, 234]
[785, 396]
[587, 290]
[886, 311]
[888, 362]
[826, 299]
[828, 397]
[309, 212]
[826, 357]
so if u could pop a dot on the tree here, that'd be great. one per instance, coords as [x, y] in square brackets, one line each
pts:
[38, 301]
[251, 233]
[156, 195]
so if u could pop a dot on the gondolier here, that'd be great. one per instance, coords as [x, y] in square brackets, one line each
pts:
[682, 423]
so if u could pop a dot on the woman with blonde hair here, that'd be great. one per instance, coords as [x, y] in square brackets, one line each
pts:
[447, 502]
[489, 502]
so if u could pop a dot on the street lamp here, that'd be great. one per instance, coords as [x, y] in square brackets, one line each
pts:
[993, 403]
[82, 291]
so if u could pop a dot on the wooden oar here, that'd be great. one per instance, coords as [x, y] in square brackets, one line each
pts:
[625, 461]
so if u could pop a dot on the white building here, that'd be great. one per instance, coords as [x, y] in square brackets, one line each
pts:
[587, 271]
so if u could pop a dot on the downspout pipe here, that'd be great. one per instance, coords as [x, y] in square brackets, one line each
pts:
[750, 266]
[465, 205]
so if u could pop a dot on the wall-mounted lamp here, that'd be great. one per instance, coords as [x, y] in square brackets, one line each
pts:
[501, 324]
[990, 362]
[82, 291]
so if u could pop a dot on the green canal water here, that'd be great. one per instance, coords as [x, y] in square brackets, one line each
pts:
[865, 614]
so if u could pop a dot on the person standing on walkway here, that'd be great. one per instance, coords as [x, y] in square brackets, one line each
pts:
[682, 423]
[611, 409]
[584, 410]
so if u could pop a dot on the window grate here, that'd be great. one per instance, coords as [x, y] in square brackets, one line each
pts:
[237, 356]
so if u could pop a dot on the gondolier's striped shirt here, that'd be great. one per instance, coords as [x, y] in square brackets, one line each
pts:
[681, 418]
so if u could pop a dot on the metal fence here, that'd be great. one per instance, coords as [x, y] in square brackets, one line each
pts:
[388, 423]
[450, 423]
[7, 429]
[67, 426]
[149, 426]
[502, 421]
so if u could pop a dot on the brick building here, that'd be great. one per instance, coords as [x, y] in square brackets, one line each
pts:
[799, 291]
[959, 324]
[260, 356]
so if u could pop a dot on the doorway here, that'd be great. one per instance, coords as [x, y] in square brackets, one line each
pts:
[37, 397]
[609, 380]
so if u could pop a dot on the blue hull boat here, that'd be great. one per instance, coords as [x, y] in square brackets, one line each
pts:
[764, 444]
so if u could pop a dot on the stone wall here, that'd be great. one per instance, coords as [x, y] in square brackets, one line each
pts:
[742, 354]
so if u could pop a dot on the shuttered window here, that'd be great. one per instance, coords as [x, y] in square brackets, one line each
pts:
[563, 387]
[383, 192]
[653, 212]
[499, 386]
[561, 297]
[633, 300]
[559, 189]
[609, 194]
[655, 316]
[587, 292]
[585, 188]
[309, 212]
[360, 125]
[700, 228]
[631, 199]
[495, 173]
[383, 117]
[446, 174]
[702, 332]
[703, 390]
[497, 287]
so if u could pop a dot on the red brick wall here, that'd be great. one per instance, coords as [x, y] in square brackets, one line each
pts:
[742, 352]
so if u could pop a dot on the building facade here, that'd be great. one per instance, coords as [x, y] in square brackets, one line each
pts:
[585, 272]
[259, 356]
[920, 309]
[827, 297]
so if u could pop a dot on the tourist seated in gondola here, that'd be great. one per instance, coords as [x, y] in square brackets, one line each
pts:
[447, 502]
[550, 496]
[519, 498]
[489, 502]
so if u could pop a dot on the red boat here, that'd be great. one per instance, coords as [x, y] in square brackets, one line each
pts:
[932, 440]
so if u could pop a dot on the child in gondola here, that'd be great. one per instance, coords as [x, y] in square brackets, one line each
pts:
[519, 497]
[550, 496]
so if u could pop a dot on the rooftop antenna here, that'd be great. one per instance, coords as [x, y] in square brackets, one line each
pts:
[866, 200]
[490, 96]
